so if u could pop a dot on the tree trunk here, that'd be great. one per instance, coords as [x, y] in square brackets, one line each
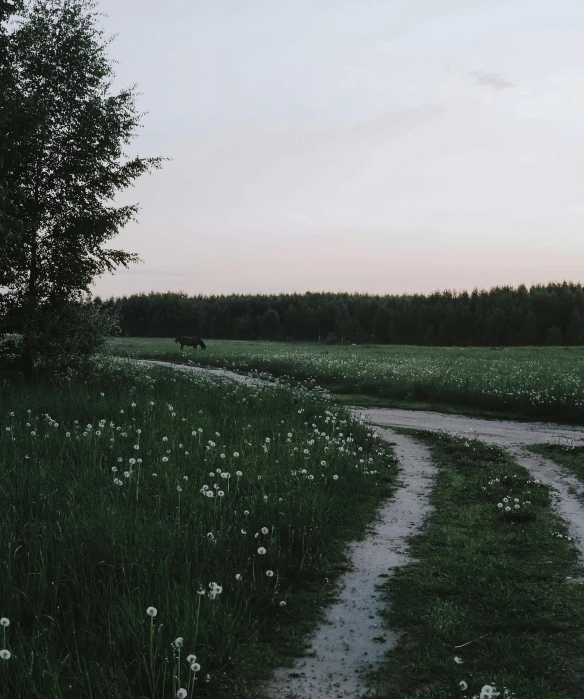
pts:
[31, 303]
[31, 307]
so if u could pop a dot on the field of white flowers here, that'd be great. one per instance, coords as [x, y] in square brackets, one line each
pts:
[161, 534]
[545, 382]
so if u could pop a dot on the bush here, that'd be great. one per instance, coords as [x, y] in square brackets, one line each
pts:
[63, 337]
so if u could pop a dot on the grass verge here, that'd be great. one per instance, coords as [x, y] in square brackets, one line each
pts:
[107, 513]
[534, 383]
[490, 600]
[570, 457]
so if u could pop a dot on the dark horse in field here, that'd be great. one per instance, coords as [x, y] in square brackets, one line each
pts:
[191, 342]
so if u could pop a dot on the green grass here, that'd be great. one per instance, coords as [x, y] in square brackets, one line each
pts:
[82, 555]
[544, 383]
[493, 580]
[570, 457]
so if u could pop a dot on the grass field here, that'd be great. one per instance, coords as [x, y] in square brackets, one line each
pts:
[148, 518]
[493, 598]
[530, 383]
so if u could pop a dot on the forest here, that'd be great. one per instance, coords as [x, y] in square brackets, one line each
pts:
[551, 314]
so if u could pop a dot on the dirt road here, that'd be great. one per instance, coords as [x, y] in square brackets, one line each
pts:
[350, 640]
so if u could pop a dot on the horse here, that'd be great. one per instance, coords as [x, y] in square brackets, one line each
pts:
[191, 342]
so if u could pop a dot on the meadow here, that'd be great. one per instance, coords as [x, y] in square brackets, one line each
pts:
[164, 535]
[520, 382]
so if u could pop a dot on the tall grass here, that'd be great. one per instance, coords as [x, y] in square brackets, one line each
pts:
[160, 532]
[537, 382]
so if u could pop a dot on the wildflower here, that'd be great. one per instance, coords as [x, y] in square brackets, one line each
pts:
[243, 531]
[270, 573]
[164, 459]
[463, 685]
[264, 530]
[195, 667]
[238, 576]
[282, 603]
[457, 660]
[220, 493]
[136, 447]
[236, 454]
[181, 694]
[152, 612]
[117, 481]
[5, 654]
[126, 474]
[191, 658]
[246, 512]
[200, 591]
[4, 621]
[238, 474]
[335, 478]
[178, 642]
[261, 550]
[209, 493]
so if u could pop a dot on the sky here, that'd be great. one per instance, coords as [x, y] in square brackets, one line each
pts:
[378, 146]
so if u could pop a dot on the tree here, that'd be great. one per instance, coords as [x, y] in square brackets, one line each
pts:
[381, 322]
[11, 116]
[575, 331]
[270, 326]
[529, 332]
[70, 160]
[554, 336]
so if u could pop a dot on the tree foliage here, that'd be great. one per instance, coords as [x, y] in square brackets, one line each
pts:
[65, 160]
[501, 316]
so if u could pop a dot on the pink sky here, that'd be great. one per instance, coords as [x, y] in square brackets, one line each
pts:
[353, 145]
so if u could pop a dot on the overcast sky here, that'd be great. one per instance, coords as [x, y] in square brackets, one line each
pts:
[382, 146]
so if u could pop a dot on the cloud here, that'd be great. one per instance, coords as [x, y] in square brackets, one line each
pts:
[492, 80]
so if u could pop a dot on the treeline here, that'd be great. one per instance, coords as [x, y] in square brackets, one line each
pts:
[540, 315]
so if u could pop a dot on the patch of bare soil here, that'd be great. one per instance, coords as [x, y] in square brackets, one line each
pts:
[354, 636]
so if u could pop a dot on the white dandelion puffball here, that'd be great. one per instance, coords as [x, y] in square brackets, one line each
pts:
[4, 621]
[463, 685]
[264, 530]
[178, 642]
[270, 573]
[181, 694]
[191, 658]
[152, 612]
[5, 654]
[238, 576]
[261, 550]
[282, 603]
[458, 660]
